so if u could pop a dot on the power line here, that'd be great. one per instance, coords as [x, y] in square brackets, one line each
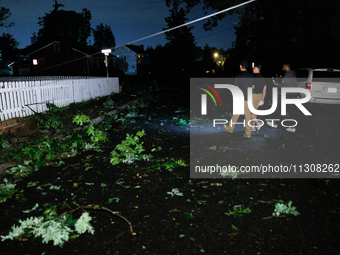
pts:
[191, 22]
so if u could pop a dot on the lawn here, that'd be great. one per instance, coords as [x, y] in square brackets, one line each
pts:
[141, 199]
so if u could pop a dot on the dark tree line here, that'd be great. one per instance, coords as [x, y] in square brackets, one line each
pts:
[304, 32]
[73, 26]
[9, 51]
[57, 25]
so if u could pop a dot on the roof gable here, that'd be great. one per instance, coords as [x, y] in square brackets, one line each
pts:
[137, 49]
[126, 48]
[52, 43]
[87, 55]
[42, 48]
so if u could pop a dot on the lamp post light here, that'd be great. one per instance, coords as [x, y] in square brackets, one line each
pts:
[106, 52]
[220, 61]
[35, 63]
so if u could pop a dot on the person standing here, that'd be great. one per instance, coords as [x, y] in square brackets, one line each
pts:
[289, 80]
[243, 80]
[259, 93]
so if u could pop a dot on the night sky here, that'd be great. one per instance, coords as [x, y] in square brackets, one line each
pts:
[128, 19]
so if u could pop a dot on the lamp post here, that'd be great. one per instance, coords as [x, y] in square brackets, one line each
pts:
[35, 63]
[216, 55]
[106, 52]
[222, 60]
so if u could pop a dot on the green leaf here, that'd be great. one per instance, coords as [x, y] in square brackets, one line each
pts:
[234, 227]
[90, 130]
[81, 119]
[70, 221]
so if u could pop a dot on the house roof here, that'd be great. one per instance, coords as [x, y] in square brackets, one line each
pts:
[56, 42]
[42, 48]
[87, 55]
[137, 49]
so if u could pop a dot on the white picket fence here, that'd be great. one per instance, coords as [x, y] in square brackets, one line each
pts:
[17, 97]
[40, 78]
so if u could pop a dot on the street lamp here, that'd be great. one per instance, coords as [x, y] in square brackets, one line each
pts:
[220, 59]
[106, 52]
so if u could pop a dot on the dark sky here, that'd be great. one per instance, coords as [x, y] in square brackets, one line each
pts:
[128, 19]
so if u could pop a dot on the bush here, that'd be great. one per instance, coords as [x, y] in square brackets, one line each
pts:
[49, 121]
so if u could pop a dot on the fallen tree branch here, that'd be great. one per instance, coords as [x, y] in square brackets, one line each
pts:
[99, 207]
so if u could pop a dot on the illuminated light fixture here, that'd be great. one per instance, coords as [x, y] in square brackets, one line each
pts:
[106, 52]
[35, 62]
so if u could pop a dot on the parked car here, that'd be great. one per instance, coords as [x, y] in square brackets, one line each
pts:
[323, 83]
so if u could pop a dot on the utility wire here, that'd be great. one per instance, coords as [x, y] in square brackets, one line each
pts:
[191, 22]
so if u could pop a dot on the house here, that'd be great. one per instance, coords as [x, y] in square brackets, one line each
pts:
[132, 59]
[59, 58]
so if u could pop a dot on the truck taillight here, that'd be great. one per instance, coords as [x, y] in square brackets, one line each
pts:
[309, 86]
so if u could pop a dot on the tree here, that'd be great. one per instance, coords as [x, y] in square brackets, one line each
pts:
[208, 60]
[8, 51]
[103, 37]
[64, 24]
[181, 43]
[214, 5]
[301, 32]
[4, 14]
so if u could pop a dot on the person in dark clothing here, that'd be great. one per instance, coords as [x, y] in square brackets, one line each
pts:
[243, 80]
[259, 93]
[289, 80]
